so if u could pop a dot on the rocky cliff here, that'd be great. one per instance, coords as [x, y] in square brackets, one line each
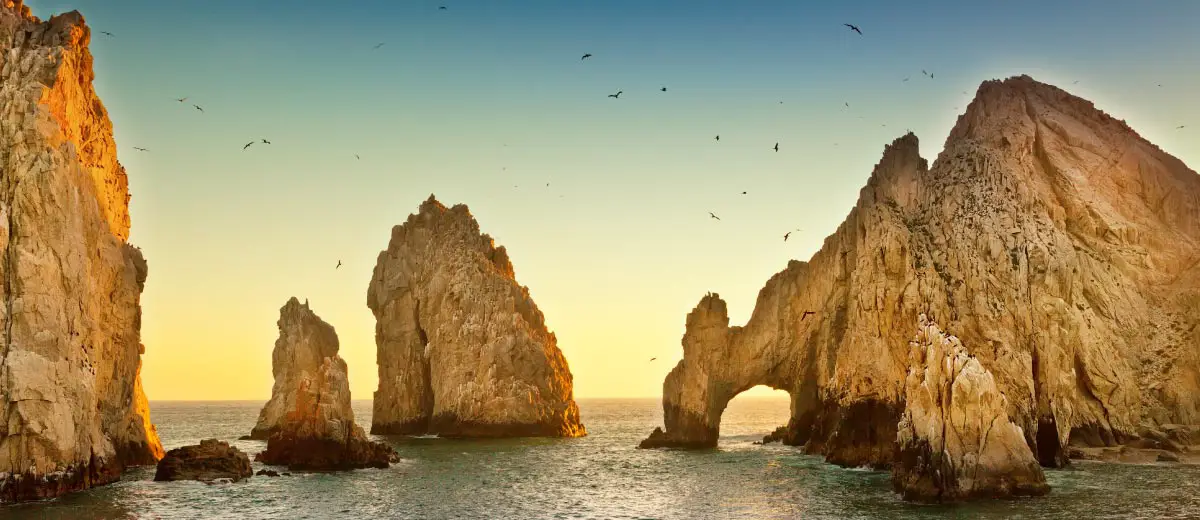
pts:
[70, 395]
[955, 439]
[1058, 244]
[309, 423]
[462, 348]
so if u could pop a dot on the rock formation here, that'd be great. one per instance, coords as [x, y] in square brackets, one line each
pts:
[955, 440]
[210, 460]
[1058, 244]
[309, 422]
[304, 343]
[462, 349]
[70, 393]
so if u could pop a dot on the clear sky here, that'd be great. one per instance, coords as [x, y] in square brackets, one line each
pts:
[486, 102]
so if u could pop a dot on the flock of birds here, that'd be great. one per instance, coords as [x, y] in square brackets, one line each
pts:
[617, 95]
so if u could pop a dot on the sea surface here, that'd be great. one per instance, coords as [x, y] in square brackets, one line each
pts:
[598, 476]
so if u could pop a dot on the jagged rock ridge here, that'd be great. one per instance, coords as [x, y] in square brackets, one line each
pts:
[309, 423]
[1059, 244]
[70, 393]
[462, 349]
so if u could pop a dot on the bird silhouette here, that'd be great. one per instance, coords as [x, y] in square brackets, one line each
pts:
[1180, 127]
[853, 28]
[653, 358]
[106, 33]
[140, 149]
[198, 108]
[718, 138]
[356, 156]
[339, 264]
[923, 72]
[378, 45]
[664, 89]
[248, 145]
[266, 141]
[617, 95]
[1075, 82]
[805, 315]
[905, 79]
[743, 193]
[182, 99]
[847, 104]
[713, 216]
[442, 8]
[776, 147]
[786, 235]
[586, 56]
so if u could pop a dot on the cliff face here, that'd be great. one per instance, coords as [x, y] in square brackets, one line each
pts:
[462, 348]
[1058, 244]
[304, 343]
[955, 440]
[70, 394]
[308, 422]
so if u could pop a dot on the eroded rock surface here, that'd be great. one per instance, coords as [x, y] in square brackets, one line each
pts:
[208, 461]
[462, 349]
[71, 400]
[1050, 237]
[955, 440]
[309, 421]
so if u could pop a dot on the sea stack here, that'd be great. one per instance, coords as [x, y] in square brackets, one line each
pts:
[1056, 243]
[955, 440]
[462, 349]
[74, 413]
[308, 422]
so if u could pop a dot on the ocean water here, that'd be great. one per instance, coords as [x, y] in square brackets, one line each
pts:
[599, 476]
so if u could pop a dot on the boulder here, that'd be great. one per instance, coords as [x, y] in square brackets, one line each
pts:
[208, 461]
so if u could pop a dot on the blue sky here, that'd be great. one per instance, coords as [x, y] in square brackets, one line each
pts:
[481, 97]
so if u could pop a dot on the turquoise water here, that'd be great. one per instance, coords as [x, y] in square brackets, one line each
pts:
[599, 476]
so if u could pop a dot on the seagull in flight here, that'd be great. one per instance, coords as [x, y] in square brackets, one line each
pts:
[140, 149]
[106, 33]
[653, 358]
[198, 108]
[378, 45]
[617, 95]
[718, 138]
[339, 264]
[356, 156]
[182, 99]
[266, 141]
[786, 235]
[442, 8]
[905, 79]
[1180, 127]
[853, 28]
[776, 147]
[664, 89]
[713, 216]
[586, 56]
[248, 145]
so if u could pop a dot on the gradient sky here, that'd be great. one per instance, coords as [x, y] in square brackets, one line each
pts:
[469, 102]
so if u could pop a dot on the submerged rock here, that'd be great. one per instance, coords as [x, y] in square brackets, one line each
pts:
[71, 403]
[316, 430]
[208, 461]
[462, 349]
[1049, 236]
[955, 440]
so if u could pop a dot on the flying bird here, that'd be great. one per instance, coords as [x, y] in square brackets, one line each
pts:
[586, 56]
[378, 45]
[140, 149]
[718, 138]
[853, 28]
[266, 141]
[776, 147]
[847, 104]
[664, 89]
[442, 8]
[653, 358]
[617, 95]
[786, 235]
[1076, 82]
[248, 145]
[743, 193]
[182, 99]
[106, 33]
[1180, 127]
[339, 264]
[905, 79]
[356, 156]
[713, 216]
[805, 315]
[198, 108]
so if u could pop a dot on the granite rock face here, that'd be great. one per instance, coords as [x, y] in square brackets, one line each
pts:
[955, 440]
[1050, 237]
[309, 422]
[304, 343]
[208, 461]
[71, 400]
[462, 349]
